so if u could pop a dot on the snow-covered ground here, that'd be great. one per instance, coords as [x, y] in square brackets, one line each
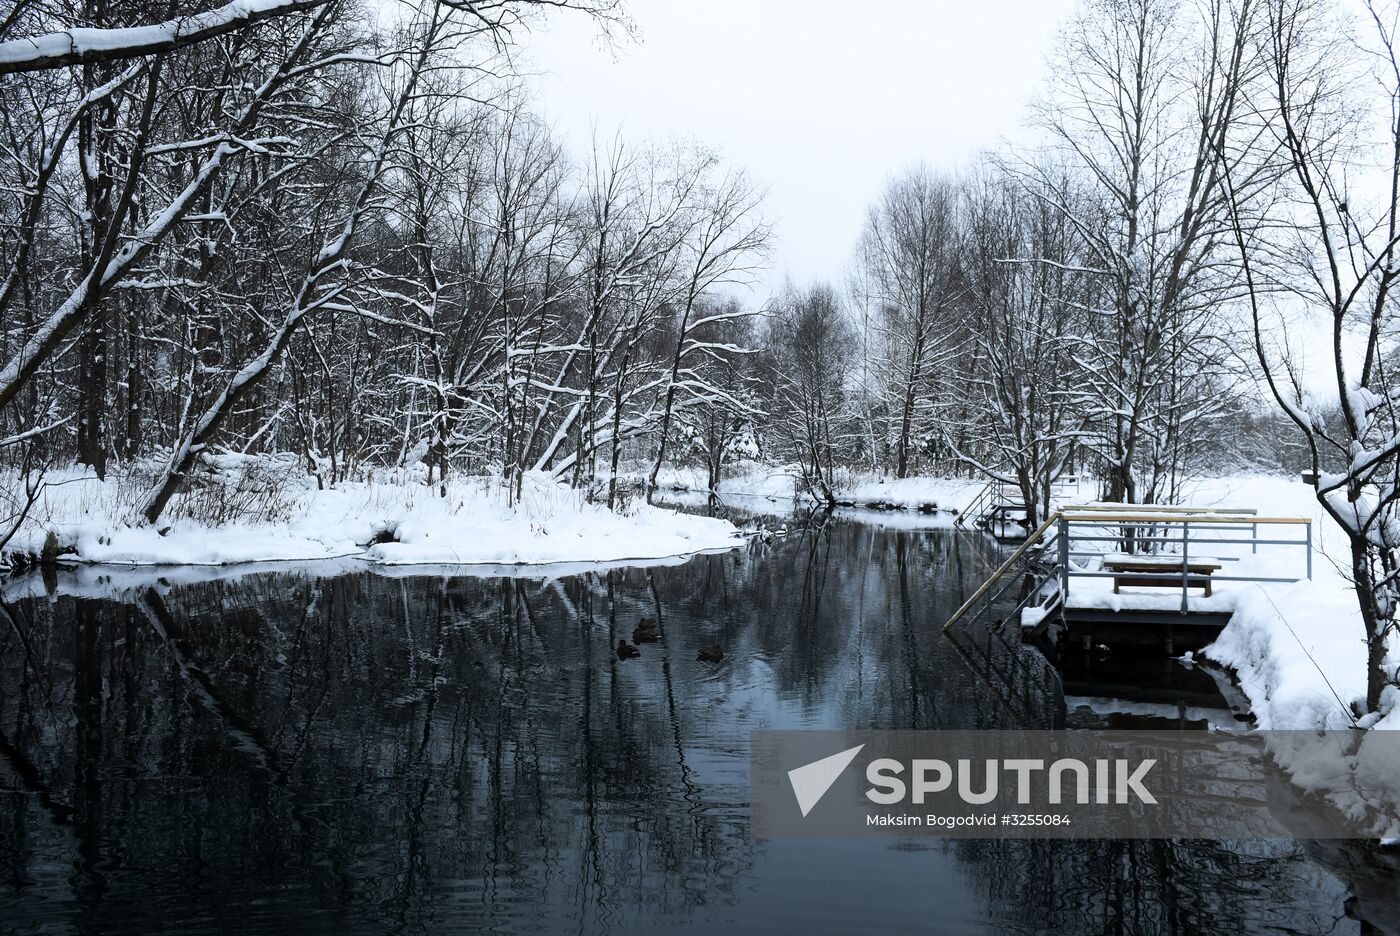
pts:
[127, 582]
[858, 489]
[744, 479]
[1297, 648]
[951, 495]
[473, 524]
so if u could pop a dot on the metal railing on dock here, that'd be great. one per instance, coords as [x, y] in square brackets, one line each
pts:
[1075, 542]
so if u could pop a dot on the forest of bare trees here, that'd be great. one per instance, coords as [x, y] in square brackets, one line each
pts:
[357, 243]
[309, 232]
[1206, 239]
[1074, 307]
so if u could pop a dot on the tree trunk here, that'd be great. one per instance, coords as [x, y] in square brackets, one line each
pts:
[1026, 484]
[617, 425]
[95, 136]
[1377, 626]
[907, 419]
[92, 390]
[135, 384]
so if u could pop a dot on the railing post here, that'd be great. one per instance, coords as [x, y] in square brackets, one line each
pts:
[1254, 536]
[1310, 549]
[1185, 564]
[1062, 526]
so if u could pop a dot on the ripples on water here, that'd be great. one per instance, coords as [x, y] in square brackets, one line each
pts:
[285, 753]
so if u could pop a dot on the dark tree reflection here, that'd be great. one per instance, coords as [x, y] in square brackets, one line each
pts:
[367, 753]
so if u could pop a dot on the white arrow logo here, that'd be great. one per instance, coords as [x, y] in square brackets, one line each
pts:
[811, 781]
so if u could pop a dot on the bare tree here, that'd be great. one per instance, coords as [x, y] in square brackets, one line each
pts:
[1027, 301]
[810, 344]
[121, 245]
[1148, 96]
[727, 237]
[1330, 249]
[718, 416]
[908, 255]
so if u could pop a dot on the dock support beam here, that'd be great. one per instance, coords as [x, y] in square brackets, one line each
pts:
[1186, 568]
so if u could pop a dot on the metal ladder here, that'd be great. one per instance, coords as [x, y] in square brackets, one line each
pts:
[1035, 572]
[992, 496]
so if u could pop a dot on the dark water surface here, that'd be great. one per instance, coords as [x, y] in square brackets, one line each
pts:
[289, 754]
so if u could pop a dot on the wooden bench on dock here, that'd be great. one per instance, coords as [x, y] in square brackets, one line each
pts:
[1151, 572]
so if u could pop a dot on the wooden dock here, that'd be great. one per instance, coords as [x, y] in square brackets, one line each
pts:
[1135, 575]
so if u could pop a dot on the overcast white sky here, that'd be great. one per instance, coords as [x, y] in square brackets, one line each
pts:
[822, 101]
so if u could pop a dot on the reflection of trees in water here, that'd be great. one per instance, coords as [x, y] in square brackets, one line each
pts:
[412, 748]
[423, 746]
[419, 752]
[844, 614]
[1154, 886]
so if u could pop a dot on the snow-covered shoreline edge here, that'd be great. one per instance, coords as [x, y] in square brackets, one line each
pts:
[925, 495]
[490, 568]
[1296, 653]
[117, 581]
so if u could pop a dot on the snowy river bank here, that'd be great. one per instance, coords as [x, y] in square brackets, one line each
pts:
[386, 521]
